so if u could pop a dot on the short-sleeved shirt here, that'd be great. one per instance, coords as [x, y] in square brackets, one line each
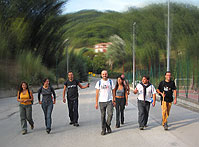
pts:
[168, 88]
[149, 92]
[105, 87]
[72, 89]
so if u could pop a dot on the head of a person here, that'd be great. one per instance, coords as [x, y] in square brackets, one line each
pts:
[122, 76]
[23, 86]
[119, 80]
[70, 75]
[145, 79]
[46, 82]
[168, 76]
[104, 74]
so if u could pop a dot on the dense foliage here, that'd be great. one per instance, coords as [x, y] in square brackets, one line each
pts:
[36, 32]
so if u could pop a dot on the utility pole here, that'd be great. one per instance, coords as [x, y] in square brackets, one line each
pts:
[134, 24]
[168, 38]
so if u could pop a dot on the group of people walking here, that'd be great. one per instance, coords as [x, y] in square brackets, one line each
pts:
[108, 96]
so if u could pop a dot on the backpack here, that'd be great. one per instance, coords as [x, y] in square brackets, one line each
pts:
[29, 96]
[109, 82]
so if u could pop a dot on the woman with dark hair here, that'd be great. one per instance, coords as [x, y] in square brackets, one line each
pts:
[25, 98]
[47, 102]
[120, 100]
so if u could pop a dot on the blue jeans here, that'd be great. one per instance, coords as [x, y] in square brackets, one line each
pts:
[47, 108]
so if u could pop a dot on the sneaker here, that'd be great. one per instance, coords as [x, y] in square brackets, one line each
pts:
[145, 126]
[103, 132]
[122, 123]
[24, 132]
[109, 129]
[141, 128]
[48, 131]
[71, 123]
[32, 126]
[76, 124]
[165, 126]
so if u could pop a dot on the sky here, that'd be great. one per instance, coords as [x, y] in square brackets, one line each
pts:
[115, 5]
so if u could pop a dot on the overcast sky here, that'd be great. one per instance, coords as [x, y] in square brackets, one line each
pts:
[115, 5]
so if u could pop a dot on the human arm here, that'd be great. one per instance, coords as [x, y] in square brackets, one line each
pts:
[39, 94]
[161, 93]
[128, 88]
[97, 97]
[31, 97]
[64, 93]
[126, 96]
[154, 99]
[54, 95]
[83, 87]
[175, 95]
[113, 92]
[18, 98]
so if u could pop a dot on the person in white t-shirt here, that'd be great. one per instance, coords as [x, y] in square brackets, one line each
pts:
[104, 95]
[146, 94]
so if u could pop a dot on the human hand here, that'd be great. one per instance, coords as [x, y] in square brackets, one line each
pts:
[96, 106]
[64, 100]
[175, 101]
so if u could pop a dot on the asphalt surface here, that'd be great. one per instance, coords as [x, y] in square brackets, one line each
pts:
[183, 126]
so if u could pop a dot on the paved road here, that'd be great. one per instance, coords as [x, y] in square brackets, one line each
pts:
[183, 126]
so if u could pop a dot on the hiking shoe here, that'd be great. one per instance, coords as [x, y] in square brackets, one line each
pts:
[103, 132]
[32, 126]
[141, 128]
[109, 129]
[76, 124]
[48, 131]
[165, 126]
[71, 123]
[24, 132]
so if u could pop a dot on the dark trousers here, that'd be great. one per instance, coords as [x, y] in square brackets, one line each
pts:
[120, 104]
[103, 107]
[47, 108]
[73, 110]
[143, 112]
[25, 115]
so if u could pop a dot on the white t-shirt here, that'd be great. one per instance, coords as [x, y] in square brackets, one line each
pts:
[105, 90]
[149, 92]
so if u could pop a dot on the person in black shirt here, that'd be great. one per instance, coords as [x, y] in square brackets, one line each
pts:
[71, 85]
[166, 89]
